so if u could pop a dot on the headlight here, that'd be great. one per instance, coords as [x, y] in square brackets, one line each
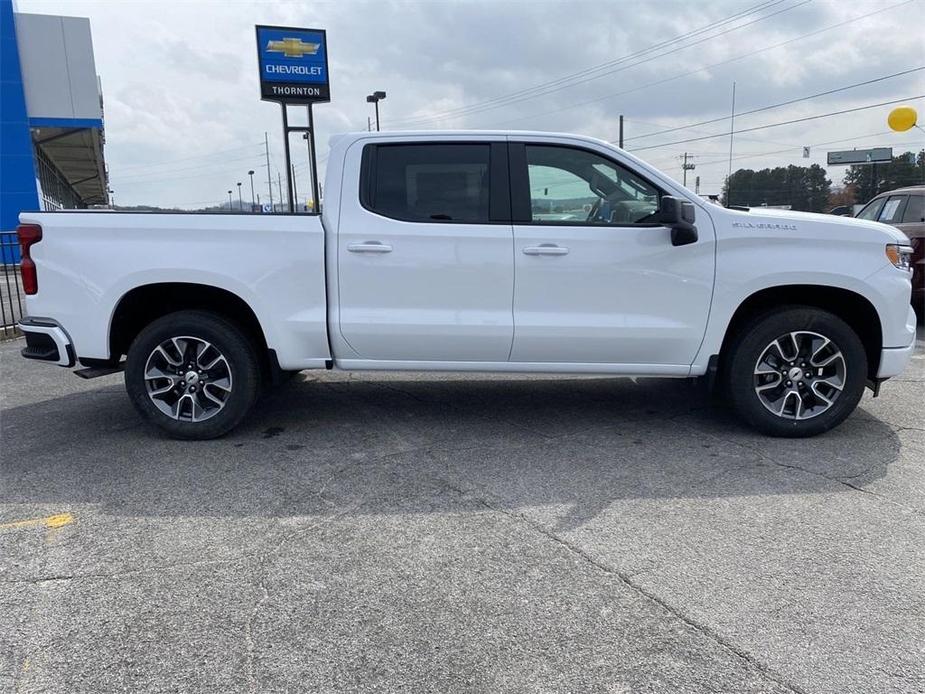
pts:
[900, 256]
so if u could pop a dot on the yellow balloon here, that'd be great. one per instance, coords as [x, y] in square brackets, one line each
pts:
[902, 118]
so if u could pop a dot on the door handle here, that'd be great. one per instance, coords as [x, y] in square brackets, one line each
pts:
[369, 247]
[546, 249]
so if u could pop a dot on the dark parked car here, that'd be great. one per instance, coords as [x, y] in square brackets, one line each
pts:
[904, 209]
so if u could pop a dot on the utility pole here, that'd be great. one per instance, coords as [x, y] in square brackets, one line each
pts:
[279, 186]
[266, 145]
[732, 124]
[697, 185]
[369, 124]
[621, 131]
[295, 190]
[687, 166]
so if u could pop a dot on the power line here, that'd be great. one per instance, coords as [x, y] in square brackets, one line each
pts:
[569, 81]
[195, 156]
[742, 56]
[600, 66]
[752, 155]
[775, 125]
[778, 105]
[208, 165]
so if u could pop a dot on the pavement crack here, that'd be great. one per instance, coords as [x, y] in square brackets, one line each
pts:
[627, 580]
[127, 573]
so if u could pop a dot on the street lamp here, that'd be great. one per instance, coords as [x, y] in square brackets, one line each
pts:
[240, 201]
[230, 204]
[112, 198]
[375, 98]
[251, 174]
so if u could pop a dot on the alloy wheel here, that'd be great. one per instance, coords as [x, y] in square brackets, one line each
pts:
[188, 378]
[800, 375]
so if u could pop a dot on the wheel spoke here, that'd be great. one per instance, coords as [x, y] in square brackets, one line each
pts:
[156, 372]
[223, 383]
[170, 360]
[815, 388]
[768, 386]
[828, 360]
[157, 392]
[832, 381]
[796, 346]
[205, 391]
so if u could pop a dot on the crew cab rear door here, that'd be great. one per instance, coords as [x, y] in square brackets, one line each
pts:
[425, 252]
[597, 280]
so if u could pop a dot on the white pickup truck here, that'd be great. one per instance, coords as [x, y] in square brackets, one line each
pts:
[475, 251]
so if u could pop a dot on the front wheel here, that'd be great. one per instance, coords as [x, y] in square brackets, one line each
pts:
[796, 372]
[193, 374]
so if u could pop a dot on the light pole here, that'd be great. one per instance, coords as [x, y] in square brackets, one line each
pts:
[230, 204]
[375, 98]
[251, 174]
[112, 198]
[240, 201]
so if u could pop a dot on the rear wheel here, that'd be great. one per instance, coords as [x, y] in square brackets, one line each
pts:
[193, 374]
[796, 372]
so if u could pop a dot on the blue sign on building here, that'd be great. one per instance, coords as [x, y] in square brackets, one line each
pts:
[293, 65]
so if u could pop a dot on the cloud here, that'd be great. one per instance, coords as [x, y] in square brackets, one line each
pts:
[180, 79]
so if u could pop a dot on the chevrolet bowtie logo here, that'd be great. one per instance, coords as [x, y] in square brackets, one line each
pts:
[293, 48]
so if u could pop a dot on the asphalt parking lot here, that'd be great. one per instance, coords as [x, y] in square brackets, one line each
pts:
[410, 532]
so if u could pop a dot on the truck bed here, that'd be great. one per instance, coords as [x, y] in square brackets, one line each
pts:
[89, 261]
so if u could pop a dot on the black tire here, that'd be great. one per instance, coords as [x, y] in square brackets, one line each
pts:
[239, 357]
[750, 344]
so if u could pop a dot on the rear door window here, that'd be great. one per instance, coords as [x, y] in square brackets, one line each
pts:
[447, 182]
[893, 209]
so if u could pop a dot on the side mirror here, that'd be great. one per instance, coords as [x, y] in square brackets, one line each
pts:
[679, 216]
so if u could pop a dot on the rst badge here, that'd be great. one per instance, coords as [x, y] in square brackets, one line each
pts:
[293, 65]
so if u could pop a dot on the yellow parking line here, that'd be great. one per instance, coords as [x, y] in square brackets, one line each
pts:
[56, 521]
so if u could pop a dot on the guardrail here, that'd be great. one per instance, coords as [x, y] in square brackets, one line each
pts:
[11, 294]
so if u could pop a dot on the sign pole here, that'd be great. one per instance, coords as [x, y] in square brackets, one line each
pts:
[288, 156]
[316, 196]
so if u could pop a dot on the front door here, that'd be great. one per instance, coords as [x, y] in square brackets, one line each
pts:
[597, 279]
[426, 270]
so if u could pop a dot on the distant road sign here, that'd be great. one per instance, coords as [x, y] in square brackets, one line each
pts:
[267, 208]
[875, 155]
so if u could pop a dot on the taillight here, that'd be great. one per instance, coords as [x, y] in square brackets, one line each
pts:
[29, 235]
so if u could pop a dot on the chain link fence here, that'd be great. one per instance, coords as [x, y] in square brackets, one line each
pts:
[11, 295]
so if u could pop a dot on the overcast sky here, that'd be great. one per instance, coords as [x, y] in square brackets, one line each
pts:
[184, 121]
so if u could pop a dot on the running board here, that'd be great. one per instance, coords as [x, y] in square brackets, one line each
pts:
[97, 371]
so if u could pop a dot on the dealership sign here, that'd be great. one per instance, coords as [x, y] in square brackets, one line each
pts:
[293, 65]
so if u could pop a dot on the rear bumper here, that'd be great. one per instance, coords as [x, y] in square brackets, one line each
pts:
[47, 341]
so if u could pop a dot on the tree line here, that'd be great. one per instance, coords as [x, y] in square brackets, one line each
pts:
[807, 188]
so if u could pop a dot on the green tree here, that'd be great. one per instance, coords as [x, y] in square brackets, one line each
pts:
[907, 169]
[802, 187]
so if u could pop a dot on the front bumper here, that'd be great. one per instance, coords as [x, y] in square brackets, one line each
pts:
[894, 360]
[47, 341]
